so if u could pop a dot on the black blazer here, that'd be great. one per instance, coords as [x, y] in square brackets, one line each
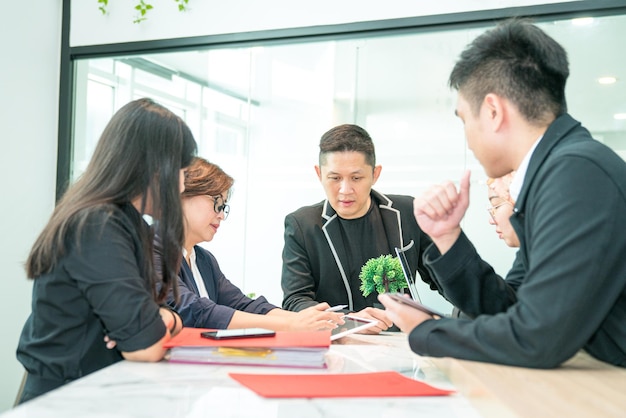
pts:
[224, 299]
[314, 253]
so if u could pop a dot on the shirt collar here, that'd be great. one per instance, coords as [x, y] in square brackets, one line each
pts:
[192, 256]
[518, 179]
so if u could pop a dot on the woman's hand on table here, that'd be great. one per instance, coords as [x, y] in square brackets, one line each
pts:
[316, 318]
[384, 322]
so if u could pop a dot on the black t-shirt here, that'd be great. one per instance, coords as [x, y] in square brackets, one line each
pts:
[365, 238]
[98, 287]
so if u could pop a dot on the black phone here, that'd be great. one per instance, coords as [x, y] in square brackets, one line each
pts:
[225, 334]
[399, 297]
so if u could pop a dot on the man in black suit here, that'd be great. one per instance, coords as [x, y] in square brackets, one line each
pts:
[566, 290]
[326, 244]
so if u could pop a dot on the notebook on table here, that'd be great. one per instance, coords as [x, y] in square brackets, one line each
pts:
[285, 349]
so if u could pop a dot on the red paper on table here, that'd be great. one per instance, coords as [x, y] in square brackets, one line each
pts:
[349, 385]
[190, 337]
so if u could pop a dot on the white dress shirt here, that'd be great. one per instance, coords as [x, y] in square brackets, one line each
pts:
[197, 277]
[518, 179]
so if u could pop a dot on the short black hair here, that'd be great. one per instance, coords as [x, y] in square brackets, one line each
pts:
[347, 138]
[518, 61]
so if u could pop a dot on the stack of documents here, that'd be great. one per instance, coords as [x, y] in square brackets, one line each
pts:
[285, 349]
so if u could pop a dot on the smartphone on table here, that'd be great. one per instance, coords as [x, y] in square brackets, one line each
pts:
[225, 334]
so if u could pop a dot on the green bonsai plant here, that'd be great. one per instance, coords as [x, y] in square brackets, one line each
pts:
[383, 274]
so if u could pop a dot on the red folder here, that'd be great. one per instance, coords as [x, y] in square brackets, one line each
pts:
[190, 337]
[349, 385]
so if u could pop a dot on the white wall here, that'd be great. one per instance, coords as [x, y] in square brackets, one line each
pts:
[211, 17]
[29, 78]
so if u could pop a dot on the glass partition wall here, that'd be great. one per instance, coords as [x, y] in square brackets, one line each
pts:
[259, 112]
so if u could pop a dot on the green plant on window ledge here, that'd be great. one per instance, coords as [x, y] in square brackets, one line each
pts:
[142, 8]
[383, 274]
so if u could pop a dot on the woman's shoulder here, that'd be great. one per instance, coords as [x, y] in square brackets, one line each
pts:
[107, 218]
[103, 212]
[203, 253]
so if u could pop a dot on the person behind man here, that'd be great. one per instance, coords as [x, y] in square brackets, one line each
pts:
[501, 208]
[207, 298]
[95, 287]
[570, 199]
[326, 244]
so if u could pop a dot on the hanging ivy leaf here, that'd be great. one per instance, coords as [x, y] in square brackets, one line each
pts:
[142, 7]
[182, 5]
[103, 6]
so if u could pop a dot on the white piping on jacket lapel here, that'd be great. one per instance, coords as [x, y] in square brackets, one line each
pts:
[387, 206]
[346, 284]
[329, 219]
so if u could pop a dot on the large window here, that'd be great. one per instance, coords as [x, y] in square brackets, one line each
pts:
[259, 113]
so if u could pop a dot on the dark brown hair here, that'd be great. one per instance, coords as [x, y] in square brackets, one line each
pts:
[140, 152]
[205, 178]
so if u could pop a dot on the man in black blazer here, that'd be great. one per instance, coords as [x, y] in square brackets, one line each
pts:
[566, 290]
[326, 244]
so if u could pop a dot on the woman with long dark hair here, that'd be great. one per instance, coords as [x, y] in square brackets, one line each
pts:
[92, 265]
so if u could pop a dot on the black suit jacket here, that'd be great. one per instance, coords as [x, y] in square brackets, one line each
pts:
[314, 254]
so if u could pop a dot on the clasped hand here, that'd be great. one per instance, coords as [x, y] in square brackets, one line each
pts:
[440, 209]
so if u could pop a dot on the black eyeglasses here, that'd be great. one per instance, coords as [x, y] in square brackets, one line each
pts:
[220, 206]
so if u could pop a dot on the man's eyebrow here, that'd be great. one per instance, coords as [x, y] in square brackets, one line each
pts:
[495, 197]
[359, 171]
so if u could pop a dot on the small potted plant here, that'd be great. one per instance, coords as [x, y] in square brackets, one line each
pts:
[383, 275]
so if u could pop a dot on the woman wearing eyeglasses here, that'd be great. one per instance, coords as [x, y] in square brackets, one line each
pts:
[501, 208]
[207, 298]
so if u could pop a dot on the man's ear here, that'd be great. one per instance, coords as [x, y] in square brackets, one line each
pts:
[495, 109]
[377, 171]
[318, 170]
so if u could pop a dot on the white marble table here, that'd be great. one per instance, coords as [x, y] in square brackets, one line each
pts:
[129, 389]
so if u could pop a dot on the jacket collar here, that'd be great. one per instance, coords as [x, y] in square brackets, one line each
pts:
[555, 133]
[389, 214]
[391, 222]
